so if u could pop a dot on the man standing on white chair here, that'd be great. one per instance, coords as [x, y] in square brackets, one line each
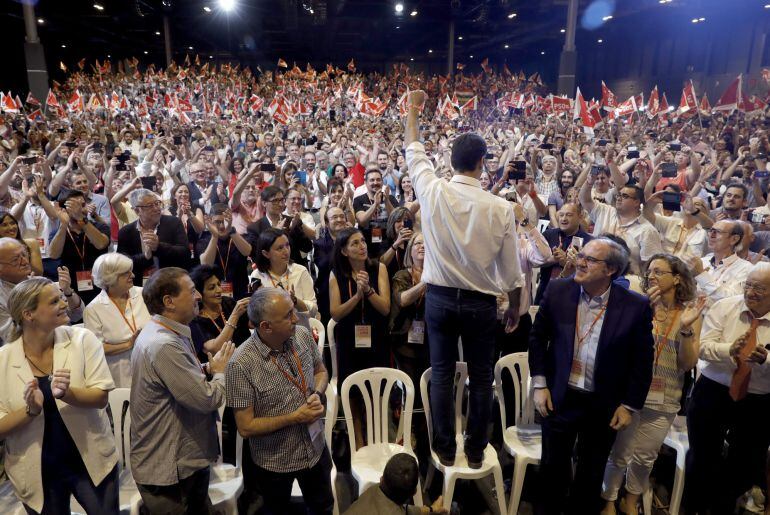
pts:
[275, 385]
[471, 256]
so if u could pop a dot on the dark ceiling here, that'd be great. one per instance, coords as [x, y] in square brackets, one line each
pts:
[261, 31]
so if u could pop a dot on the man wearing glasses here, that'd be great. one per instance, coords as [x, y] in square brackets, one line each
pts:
[731, 399]
[624, 220]
[154, 240]
[590, 357]
[274, 200]
[721, 273]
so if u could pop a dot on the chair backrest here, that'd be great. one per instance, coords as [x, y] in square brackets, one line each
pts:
[460, 378]
[376, 385]
[332, 346]
[220, 418]
[518, 366]
[118, 398]
[321, 330]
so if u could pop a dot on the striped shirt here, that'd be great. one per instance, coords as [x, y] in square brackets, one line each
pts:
[173, 406]
[666, 368]
[255, 381]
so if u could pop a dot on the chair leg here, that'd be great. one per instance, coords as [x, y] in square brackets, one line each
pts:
[449, 488]
[418, 494]
[429, 476]
[336, 510]
[647, 501]
[678, 489]
[499, 489]
[517, 485]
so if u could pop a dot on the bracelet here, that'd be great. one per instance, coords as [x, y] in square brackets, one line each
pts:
[29, 412]
[369, 293]
[231, 326]
[687, 333]
[695, 213]
[70, 295]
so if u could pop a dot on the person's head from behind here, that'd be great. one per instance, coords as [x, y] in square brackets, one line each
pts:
[272, 312]
[400, 478]
[171, 293]
[468, 152]
[14, 261]
[37, 303]
[599, 262]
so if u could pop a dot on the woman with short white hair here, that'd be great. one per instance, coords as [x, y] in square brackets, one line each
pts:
[117, 314]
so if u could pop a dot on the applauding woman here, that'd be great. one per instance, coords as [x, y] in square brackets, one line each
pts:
[117, 314]
[676, 328]
[58, 440]
[359, 295]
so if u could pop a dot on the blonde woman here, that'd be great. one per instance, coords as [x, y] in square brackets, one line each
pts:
[54, 383]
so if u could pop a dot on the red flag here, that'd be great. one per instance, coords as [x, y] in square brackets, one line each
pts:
[183, 118]
[560, 104]
[94, 102]
[141, 110]
[31, 100]
[460, 66]
[688, 102]
[50, 100]
[663, 105]
[653, 105]
[731, 98]
[506, 71]
[282, 63]
[627, 108]
[485, 66]
[352, 66]
[82, 63]
[609, 101]
[470, 105]
[123, 104]
[75, 103]
[7, 104]
[581, 112]
[19, 104]
[705, 106]
[35, 116]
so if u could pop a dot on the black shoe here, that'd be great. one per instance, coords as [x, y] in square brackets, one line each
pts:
[475, 462]
[447, 461]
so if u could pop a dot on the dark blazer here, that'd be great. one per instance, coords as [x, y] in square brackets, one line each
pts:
[173, 249]
[624, 357]
[297, 239]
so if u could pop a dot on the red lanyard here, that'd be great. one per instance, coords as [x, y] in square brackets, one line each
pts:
[581, 339]
[280, 279]
[302, 383]
[350, 292]
[81, 255]
[225, 262]
[222, 315]
[122, 313]
[662, 338]
[183, 338]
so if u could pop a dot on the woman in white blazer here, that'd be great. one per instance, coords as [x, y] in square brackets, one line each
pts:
[117, 314]
[54, 384]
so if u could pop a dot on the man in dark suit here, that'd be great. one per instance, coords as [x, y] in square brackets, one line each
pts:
[154, 240]
[274, 200]
[591, 358]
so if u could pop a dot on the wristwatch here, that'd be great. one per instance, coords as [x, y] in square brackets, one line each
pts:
[524, 223]
[321, 396]
[30, 414]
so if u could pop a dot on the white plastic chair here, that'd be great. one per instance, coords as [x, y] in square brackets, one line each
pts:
[226, 481]
[367, 464]
[321, 330]
[460, 469]
[678, 440]
[523, 440]
[332, 392]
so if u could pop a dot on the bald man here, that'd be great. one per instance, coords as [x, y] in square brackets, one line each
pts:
[14, 268]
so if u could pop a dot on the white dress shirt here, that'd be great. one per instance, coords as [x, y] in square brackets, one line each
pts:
[723, 279]
[677, 240]
[589, 308]
[726, 321]
[642, 238]
[533, 252]
[296, 277]
[103, 318]
[470, 235]
[78, 350]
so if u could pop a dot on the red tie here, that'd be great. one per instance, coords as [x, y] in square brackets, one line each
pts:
[739, 386]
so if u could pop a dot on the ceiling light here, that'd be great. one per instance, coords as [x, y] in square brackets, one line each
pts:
[399, 8]
[701, 19]
[207, 8]
[471, 57]
[607, 18]
[511, 16]
[430, 51]
[398, 26]
[695, 20]
[99, 7]
[157, 33]
[506, 45]
[411, 58]
[211, 57]
[542, 53]
[40, 21]
[227, 5]
[109, 56]
[563, 31]
[460, 38]
[413, 13]
[64, 46]
[146, 52]
[600, 41]
[189, 48]
[767, 6]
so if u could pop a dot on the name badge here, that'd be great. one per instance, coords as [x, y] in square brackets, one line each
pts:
[363, 337]
[657, 389]
[417, 332]
[576, 372]
[376, 234]
[227, 289]
[147, 273]
[85, 281]
[43, 248]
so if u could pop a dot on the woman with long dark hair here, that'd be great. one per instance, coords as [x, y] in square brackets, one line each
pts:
[9, 228]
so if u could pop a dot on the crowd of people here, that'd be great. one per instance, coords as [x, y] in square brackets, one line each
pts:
[178, 234]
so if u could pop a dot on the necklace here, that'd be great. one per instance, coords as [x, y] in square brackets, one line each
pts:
[47, 374]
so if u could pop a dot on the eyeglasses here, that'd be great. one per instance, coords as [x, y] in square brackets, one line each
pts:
[713, 232]
[657, 273]
[626, 196]
[156, 204]
[590, 259]
[16, 261]
[756, 287]
[277, 201]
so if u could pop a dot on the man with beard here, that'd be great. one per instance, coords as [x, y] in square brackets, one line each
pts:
[243, 204]
[97, 205]
[372, 211]
[559, 196]
[733, 202]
